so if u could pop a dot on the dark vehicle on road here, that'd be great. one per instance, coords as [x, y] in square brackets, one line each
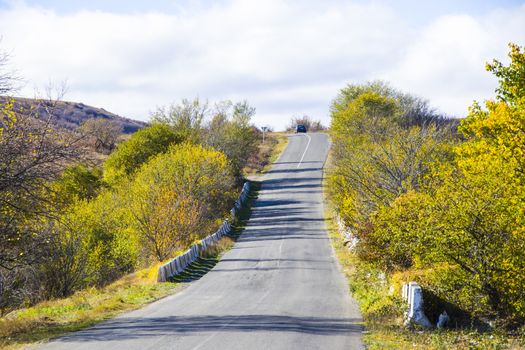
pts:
[300, 128]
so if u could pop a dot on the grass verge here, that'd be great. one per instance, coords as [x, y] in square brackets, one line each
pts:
[278, 148]
[83, 309]
[382, 309]
[268, 153]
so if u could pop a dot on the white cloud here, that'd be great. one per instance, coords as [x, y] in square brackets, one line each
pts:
[284, 57]
[446, 61]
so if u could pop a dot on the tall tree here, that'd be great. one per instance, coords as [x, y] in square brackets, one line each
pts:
[32, 154]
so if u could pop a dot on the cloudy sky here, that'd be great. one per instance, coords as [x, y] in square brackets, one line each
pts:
[286, 57]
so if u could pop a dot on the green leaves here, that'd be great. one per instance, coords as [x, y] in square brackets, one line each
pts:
[177, 196]
[511, 81]
[78, 182]
[144, 144]
[419, 198]
[377, 159]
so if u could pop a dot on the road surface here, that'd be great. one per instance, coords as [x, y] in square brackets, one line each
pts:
[279, 287]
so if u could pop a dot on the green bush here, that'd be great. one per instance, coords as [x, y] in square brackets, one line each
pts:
[177, 198]
[144, 144]
[420, 199]
[78, 182]
[91, 244]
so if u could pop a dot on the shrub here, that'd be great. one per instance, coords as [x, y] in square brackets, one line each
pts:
[91, 244]
[419, 199]
[178, 196]
[144, 144]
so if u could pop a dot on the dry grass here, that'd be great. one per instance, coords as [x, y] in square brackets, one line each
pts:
[268, 153]
[83, 309]
[219, 248]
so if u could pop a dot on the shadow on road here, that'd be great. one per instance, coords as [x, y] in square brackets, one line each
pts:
[292, 184]
[297, 170]
[310, 162]
[134, 328]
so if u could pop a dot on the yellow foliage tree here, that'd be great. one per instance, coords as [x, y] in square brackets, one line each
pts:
[178, 196]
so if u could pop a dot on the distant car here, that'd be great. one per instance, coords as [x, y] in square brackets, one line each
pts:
[300, 128]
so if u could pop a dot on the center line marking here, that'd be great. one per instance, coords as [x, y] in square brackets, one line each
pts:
[306, 149]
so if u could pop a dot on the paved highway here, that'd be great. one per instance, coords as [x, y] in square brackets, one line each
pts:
[278, 288]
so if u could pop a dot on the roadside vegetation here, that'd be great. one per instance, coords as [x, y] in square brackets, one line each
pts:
[81, 234]
[84, 308]
[382, 307]
[269, 150]
[89, 306]
[438, 201]
[68, 224]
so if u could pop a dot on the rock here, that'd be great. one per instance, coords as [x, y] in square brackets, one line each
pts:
[443, 320]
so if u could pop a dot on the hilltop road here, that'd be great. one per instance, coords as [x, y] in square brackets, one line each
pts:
[280, 286]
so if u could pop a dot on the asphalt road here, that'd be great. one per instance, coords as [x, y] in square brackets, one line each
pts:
[280, 286]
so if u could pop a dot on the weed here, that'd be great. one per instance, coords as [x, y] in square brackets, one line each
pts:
[268, 153]
[83, 309]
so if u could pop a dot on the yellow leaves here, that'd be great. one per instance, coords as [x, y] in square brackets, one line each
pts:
[465, 211]
[177, 195]
[8, 118]
[495, 136]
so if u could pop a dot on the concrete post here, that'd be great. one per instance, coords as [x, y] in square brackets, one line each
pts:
[413, 294]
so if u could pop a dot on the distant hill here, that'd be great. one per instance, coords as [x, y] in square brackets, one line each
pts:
[70, 115]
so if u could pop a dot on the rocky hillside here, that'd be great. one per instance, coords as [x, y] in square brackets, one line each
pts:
[70, 115]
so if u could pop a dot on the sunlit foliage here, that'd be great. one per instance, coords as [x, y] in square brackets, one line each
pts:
[177, 196]
[452, 206]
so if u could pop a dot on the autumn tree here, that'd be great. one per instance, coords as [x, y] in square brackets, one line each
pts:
[377, 156]
[480, 201]
[464, 223]
[231, 132]
[177, 196]
[144, 144]
[32, 155]
[468, 216]
[92, 244]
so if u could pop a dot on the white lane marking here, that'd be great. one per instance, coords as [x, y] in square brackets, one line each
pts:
[306, 149]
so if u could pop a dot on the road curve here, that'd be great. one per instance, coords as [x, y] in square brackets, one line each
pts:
[278, 288]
